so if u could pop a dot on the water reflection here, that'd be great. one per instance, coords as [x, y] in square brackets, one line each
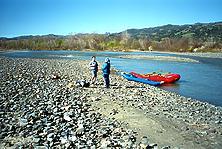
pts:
[173, 87]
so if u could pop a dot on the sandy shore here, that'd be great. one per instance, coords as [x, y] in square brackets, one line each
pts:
[160, 58]
[39, 111]
[174, 58]
[207, 55]
[198, 54]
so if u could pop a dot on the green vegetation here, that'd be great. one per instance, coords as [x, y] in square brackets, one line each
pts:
[191, 38]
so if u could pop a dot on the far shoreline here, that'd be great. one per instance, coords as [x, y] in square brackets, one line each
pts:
[196, 54]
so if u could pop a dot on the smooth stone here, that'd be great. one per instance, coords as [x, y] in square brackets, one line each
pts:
[80, 129]
[144, 140]
[66, 117]
[63, 140]
[49, 139]
[104, 143]
[72, 138]
[36, 140]
[217, 122]
[212, 130]
[126, 138]
[23, 122]
[50, 135]
[93, 147]
[70, 85]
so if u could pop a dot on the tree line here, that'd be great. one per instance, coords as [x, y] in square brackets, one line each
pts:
[200, 37]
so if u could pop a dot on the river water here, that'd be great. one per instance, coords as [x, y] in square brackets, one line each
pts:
[201, 81]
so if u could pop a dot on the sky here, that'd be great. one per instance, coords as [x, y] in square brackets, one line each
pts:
[63, 17]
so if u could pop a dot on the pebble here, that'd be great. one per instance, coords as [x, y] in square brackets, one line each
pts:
[23, 122]
[217, 122]
[66, 117]
[144, 142]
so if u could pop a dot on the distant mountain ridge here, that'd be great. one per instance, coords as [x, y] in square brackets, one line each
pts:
[32, 36]
[189, 37]
[201, 31]
[197, 30]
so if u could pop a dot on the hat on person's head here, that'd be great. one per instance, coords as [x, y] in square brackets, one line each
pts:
[107, 60]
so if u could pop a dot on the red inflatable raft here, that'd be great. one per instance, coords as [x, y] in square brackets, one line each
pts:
[167, 78]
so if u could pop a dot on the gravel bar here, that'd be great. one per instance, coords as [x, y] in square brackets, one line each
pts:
[41, 107]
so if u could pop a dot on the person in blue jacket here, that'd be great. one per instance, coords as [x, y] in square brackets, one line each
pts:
[106, 72]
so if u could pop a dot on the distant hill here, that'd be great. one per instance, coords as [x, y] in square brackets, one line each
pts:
[33, 37]
[202, 37]
[201, 31]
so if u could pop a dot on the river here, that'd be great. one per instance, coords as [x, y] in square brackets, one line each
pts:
[201, 81]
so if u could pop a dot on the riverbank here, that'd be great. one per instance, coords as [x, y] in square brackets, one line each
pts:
[198, 54]
[160, 58]
[39, 109]
[207, 54]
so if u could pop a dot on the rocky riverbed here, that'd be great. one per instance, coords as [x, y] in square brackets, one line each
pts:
[41, 107]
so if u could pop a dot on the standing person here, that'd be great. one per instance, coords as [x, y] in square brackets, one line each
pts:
[106, 72]
[93, 65]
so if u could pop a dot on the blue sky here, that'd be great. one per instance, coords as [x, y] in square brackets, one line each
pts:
[62, 17]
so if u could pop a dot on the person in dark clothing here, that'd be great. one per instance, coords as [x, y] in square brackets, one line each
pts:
[93, 65]
[106, 72]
